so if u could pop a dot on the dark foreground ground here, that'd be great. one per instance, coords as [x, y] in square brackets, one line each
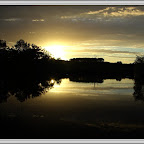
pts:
[62, 129]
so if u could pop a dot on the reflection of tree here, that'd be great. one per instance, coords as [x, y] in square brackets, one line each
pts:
[139, 90]
[23, 89]
[139, 78]
[96, 78]
[87, 78]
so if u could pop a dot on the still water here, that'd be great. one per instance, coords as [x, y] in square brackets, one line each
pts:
[87, 103]
[88, 110]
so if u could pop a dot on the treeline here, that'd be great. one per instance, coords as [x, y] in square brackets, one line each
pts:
[25, 59]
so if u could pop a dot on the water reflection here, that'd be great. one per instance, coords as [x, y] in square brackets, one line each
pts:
[24, 89]
[138, 89]
[73, 104]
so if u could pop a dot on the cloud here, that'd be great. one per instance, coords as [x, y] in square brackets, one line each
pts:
[108, 14]
[106, 51]
[32, 32]
[117, 12]
[11, 19]
[38, 20]
[127, 57]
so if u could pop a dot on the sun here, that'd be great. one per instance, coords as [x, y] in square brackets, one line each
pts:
[56, 50]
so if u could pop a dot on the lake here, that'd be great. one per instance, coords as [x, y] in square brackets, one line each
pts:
[70, 105]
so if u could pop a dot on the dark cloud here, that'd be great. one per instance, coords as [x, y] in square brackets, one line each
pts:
[106, 51]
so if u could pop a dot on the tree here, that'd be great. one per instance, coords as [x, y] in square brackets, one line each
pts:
[21, 44]
[2, 44]
[139, 60]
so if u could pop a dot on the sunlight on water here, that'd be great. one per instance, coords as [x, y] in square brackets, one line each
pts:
[108, 88]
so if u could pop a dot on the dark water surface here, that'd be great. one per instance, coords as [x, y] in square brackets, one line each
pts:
[92, 109]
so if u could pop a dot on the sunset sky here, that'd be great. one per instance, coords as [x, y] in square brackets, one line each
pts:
[115, 33]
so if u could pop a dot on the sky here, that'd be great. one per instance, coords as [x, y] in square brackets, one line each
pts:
[115, 33]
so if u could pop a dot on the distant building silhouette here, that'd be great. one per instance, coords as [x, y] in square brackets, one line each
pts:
[100, 60]
[87, 59]
[119, 62]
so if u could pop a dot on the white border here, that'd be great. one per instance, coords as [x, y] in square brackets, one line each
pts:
[101, 141]
[71, 140]
[71, 2]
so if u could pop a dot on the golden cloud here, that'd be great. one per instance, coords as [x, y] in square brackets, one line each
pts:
[108, 12]
[117, 12]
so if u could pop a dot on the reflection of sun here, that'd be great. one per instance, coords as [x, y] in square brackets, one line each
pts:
[52, 81]
[56, 50]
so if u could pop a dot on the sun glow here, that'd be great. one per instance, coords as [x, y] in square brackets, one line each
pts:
[57, 51]
[52, 81]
